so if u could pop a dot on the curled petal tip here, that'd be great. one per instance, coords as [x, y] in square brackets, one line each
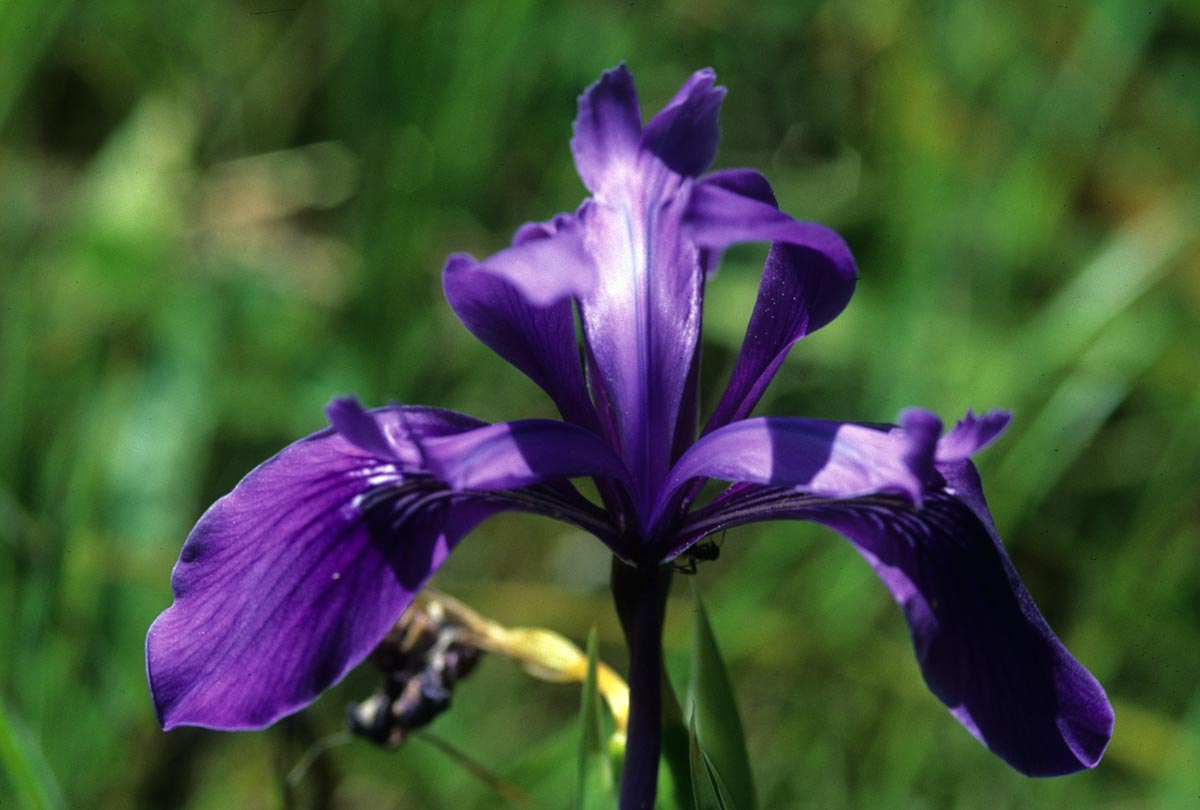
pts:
[608, 127]
[355, 425]
[971, 434]
[549, 262]
[685, 134]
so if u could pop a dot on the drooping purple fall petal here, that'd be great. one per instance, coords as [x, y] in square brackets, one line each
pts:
[983, 647]
[291, 579]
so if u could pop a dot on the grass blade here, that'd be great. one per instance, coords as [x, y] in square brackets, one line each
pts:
[715, 712]
[595, 786]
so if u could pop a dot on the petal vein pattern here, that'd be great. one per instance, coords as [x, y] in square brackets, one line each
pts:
[291, 579]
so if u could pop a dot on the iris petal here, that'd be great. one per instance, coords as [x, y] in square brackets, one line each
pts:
[291, 579]
[744, 183]
[538, 340]
[800, 292]
[608, 129]
[831, 459]
[549, 269]
[983, 647]
[517, 454]
[730, 207]
[642, 320]
[684, 134]
[971, 434]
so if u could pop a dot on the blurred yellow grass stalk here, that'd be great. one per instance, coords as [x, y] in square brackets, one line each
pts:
[542, 653]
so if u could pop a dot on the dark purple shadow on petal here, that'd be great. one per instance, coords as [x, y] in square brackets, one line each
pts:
[745, 183]
[685, 134]
[923, 430]
[608, 128]
[832, 459]
[517, 454]
[688, 422]
[983, 647]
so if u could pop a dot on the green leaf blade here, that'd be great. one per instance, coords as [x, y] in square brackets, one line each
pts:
[595, 786]
[718, 725]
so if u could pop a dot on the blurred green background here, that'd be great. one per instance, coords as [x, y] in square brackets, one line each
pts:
[216, 216]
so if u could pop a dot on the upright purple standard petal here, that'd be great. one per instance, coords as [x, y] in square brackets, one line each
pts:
[608, 128]
[684, 135]
[807, 281]
[642, 321]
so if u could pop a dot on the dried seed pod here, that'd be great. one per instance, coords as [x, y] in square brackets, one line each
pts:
[421, 659]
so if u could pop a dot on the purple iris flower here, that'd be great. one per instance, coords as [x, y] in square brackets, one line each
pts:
[290, 580]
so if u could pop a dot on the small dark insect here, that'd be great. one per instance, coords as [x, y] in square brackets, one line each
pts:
[704, 551]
